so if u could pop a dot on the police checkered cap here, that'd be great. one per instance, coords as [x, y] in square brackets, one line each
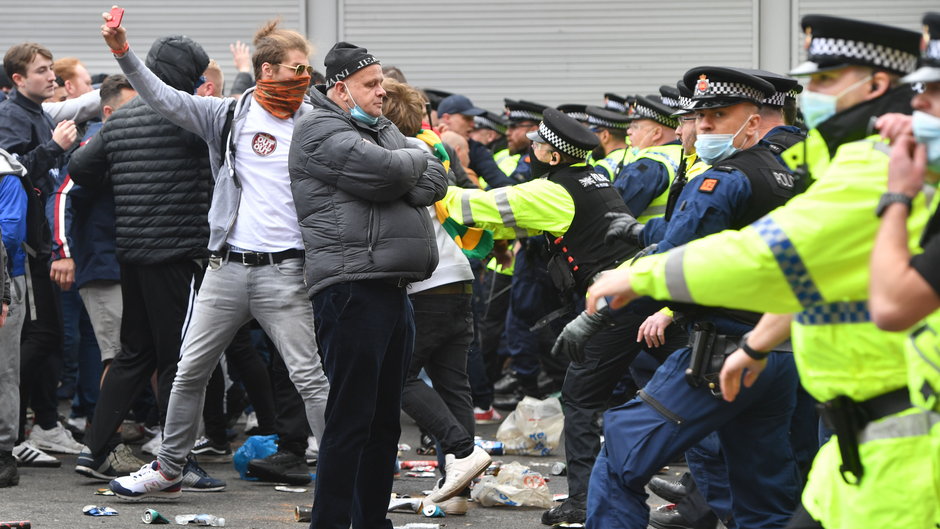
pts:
[615, 105]
[558, 143]
[523, 110]
[720, 86]
[487, 121]
[565, 134]
[835, 42]
[929, 70]
[876, 55]
[606, 118]
[777, 100]
[646, 108]
[729, 89]
[672, 102]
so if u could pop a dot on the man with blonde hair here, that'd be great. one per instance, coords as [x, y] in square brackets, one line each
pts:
[257, 261]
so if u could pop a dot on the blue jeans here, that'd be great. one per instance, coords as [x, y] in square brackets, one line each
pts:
[366, 330]
[754, 435]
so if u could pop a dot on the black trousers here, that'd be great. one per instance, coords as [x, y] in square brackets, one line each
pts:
[443, 331]
[40, 348]
[157, 300]
[245, 364]
[589, 384]
[366, 333]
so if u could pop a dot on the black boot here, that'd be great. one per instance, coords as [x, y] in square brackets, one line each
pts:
[572, 510]
[671, 491]
[9, 476]
[280, 467]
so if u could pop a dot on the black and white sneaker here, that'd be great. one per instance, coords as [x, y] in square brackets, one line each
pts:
[28, 455]
[210, 452]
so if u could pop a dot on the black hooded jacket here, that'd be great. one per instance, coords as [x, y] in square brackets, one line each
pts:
[159, 172]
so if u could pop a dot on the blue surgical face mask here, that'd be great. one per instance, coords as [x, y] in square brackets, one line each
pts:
[358, 113]
[713, 148]
[927, 131]
[819, 107]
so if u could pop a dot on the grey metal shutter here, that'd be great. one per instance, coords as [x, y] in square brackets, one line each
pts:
[901, 13]
[550, 51]
[71, 28]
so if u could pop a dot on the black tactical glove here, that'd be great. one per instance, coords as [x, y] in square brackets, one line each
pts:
[622, 227]
[578, 331]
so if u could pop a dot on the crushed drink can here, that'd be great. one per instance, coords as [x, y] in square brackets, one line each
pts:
[20, 524]
[493, 448]
[432, 511]
[302, 513]
[559, 469]
[151, 516]
[94, 510]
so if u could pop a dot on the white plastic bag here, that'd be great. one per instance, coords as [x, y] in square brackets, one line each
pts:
[533, 429]
[515, 485]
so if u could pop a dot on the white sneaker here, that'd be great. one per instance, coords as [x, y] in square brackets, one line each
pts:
[153, 446]
[457, 505]
[148, 481]
[460, 472]
[78, 423]
[28, 455]
[56, 439]
[313, 451]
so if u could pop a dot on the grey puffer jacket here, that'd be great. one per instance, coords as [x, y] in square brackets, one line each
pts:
[361, 195]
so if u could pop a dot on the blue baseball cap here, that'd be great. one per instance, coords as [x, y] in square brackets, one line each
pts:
[458, 104]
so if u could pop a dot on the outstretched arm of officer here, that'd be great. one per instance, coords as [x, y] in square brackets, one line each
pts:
[578, 331]
[771, 330]
[622, 226]
[899, 296]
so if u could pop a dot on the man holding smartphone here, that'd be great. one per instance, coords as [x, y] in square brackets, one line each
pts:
[256, 267]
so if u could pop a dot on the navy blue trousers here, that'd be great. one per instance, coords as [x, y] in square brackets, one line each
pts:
[366, 333]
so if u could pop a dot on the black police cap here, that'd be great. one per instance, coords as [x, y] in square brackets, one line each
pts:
[929, 71]
[652, 107]
[492, 121]
[574, 110]
[435, 96]
[606, 119]
[718, 86]
[521, 111]
[565, 134]
[835, 42]
[784, 86]
[615, 102]
[670, 96]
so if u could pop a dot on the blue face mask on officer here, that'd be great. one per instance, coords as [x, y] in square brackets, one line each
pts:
[713, 148]
[927, 131]
[819, 107]
[358, 113]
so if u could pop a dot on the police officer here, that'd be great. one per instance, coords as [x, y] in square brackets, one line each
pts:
[644, 182]
[675, 411]
[811, 258]
[612, 155]
[568, 205]
[524, 117]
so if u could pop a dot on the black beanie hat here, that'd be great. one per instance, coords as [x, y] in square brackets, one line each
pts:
[177, 60]
[345, 59]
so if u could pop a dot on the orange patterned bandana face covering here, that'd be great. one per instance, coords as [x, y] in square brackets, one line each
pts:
[282, 98]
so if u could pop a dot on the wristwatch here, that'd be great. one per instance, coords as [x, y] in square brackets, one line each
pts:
[750, 351]
[890, 198]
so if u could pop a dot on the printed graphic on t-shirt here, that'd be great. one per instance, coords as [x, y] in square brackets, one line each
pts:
[263, 144]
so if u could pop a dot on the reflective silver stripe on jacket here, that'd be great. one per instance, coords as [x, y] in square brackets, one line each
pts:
[675, 276]
[465, 210]
[899, 426]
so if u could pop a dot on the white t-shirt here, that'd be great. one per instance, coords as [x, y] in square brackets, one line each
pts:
[267, 219]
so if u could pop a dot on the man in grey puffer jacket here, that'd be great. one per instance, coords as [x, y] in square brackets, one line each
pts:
[361, 194]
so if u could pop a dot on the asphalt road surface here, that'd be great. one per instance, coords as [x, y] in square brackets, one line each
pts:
[53, 498]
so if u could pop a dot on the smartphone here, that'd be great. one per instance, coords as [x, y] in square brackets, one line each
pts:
[117, 13]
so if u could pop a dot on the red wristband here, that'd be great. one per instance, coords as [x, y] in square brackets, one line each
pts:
[123, 50]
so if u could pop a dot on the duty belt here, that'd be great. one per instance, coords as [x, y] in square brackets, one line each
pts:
[848, 419]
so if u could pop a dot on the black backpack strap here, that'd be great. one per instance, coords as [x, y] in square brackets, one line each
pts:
[227, 128]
